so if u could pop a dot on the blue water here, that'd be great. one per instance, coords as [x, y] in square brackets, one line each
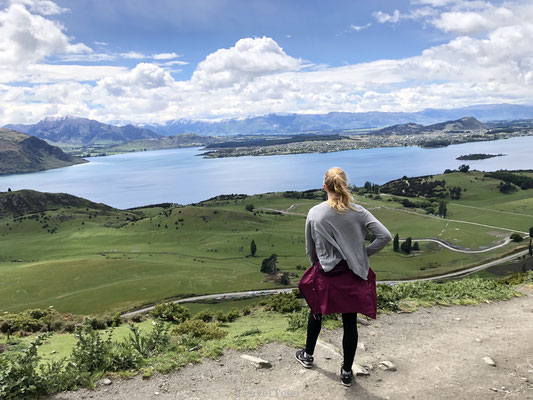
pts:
[180, 176]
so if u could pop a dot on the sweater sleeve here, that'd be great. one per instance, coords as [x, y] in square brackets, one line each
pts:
[309, 242]
[382, 234]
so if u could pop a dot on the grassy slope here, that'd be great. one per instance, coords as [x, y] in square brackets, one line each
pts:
[107, 262]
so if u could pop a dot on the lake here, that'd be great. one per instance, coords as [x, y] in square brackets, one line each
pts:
[180, 176]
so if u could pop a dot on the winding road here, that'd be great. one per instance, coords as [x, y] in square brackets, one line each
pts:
[254, 293]
[456, 274]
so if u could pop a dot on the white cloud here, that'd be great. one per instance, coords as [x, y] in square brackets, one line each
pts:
[26, 38]
[143, 76]
[44, 7]
[248, 59]
[489, 59]
[357, 28]
[175, 62]
[382, 17]
[165, 56]
[469, 22]
[133, 55]
[434, 3]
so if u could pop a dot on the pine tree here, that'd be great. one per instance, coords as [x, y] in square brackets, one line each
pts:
[416, 247]
[253, 248]
[396, 243]
[442, 209]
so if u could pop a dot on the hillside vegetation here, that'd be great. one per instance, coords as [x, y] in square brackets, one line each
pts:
[22, 153]
[82, 257]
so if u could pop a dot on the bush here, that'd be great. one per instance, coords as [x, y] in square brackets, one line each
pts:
[155, 342]
[204, 315]
[221, 317]
[233, 315]
[18, 373]
[91, 352]
[516, 237]
[199, 329]
[298, 320]
[283, 302]
[171, 312]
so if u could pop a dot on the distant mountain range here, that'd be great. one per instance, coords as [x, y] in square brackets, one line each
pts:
[74, 131]
[22, 153]
[82, 131]
[296, 123]
[460, 125]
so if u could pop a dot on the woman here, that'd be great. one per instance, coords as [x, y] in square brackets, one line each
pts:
[340, 279]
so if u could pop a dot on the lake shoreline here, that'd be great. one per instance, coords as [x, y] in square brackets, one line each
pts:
[179, 176]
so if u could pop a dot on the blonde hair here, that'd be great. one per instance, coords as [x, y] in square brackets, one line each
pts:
[336, 183]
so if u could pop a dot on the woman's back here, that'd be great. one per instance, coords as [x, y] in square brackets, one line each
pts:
[337, 236]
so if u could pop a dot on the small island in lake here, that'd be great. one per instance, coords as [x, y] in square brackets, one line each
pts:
[478, 156]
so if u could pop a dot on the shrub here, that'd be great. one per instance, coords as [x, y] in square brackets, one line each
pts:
[204, 315]
[155, 342]
[283, 302]
[298, 320]
[171, 312]
[91, 352]
[199, 329]
[221, 317]
[516, 237]
[233, 315]
[18, 373]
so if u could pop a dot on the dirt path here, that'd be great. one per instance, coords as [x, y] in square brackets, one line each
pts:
[438, 353]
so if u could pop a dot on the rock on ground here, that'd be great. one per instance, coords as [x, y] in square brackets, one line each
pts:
[434, 349]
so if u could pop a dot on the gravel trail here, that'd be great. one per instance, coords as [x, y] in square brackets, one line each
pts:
[438, 353]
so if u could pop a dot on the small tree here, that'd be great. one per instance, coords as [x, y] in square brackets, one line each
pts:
[442, 209]
[407, 245]
[396, 243]
[464, 168]
[268, 265]
[249, 207]
[7, 327]
[253, 248]
[284, 280]
[416, 247]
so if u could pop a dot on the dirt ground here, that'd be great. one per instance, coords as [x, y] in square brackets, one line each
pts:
[438, 353]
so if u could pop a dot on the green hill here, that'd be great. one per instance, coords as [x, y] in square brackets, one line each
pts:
[22, 153]
[82, 257]
[25, 202]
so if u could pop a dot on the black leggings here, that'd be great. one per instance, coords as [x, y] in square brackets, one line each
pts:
[349, 340]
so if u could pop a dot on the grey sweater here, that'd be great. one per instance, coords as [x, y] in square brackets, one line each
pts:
[341, 236]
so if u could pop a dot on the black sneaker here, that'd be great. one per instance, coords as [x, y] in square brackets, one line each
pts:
[305, 360]
[346, 378]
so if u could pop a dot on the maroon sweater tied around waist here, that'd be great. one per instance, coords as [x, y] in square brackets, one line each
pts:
[339, 290]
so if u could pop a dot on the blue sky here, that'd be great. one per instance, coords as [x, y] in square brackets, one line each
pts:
[150, 61]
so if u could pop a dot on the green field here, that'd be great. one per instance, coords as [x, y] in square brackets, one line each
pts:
[103, 260]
